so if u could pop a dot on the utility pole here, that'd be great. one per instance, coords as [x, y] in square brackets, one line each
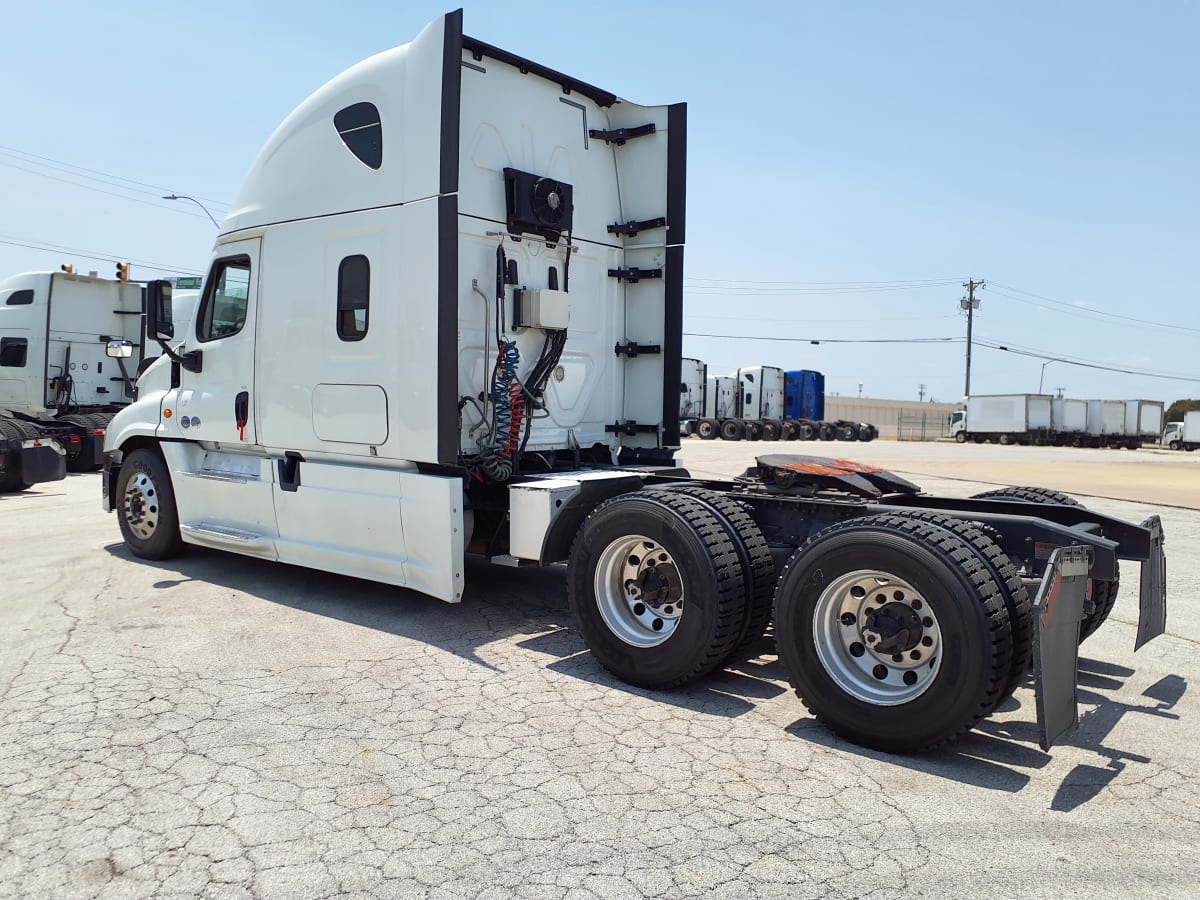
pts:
[921, 392]
[970, 304]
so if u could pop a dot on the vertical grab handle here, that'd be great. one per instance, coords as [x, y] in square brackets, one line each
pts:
[241, 412]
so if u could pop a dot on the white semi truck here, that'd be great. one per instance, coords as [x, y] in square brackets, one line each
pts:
[58, 387]
[693, 394]
[356, 395]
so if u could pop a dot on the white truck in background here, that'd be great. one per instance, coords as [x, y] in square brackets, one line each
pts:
[1183, 435]
[357, 395]
[693, 392]
[1004, 419]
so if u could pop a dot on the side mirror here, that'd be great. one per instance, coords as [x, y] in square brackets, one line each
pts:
[119, 349]
[158, 311]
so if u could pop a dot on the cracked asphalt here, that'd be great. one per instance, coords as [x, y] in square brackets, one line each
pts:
[224, 727]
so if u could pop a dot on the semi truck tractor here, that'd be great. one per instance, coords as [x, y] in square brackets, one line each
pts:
[58, 388]
[693, 386]
[1183, 435]
[355, 395]
[1004, 419]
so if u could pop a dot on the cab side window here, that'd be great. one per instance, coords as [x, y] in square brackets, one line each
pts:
[353, 298]
[13, 352]
[226, 299]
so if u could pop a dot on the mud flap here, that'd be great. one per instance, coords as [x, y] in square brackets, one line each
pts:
[41, 463]
[1152, 618]
[1059, 610]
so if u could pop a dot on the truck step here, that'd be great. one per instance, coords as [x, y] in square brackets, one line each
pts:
[209, 533]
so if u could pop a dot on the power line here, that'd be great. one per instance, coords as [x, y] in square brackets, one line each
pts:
[1085, 310]
[175, 209]
[156, 188]
[718, 291]
[97, 255]
[804, 340]
[826, 321]
[828, 283]
[1045, 355]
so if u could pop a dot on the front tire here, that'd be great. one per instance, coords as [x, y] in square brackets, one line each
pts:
[146, 507]
[893, 632]
[1174, 445]
[960, 437]
[707, 429]
[656, 588]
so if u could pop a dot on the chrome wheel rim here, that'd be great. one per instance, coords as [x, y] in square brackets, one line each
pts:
[140, 506]
[639, 591]
[877, 637]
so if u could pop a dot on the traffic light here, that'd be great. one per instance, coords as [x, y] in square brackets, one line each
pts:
[122, 271]
[68, 268]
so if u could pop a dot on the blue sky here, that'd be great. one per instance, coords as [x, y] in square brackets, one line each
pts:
[850, 164]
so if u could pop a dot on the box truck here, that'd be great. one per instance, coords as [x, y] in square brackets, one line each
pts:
[1068, 420]
[1005, 419]
[1143, 422]
[355, 395]
[1106, 422]
[1183, 435]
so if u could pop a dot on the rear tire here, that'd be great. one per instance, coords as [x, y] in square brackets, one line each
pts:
[754, 430]
[733, 430]
[808, 430]
[146, 508]
[772, 429]
[847, 432]
[656, 590]
[707, 429]
[758, 566]
[940, 603]
[791, 430]
[826, 431]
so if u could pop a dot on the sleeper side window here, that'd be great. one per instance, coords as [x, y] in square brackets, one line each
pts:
[13, 352]
[226, 299]
[353, 297]
[19, 298]
[361, 131]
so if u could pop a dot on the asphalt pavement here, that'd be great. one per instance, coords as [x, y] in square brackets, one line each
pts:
[218, 726]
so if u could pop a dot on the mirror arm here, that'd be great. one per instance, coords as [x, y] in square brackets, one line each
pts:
[193, 360]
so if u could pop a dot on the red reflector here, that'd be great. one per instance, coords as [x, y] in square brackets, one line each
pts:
[98, 433]
[76, 439]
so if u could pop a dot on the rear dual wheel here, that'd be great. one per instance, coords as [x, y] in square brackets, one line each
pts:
[657, 588]
[894, 632]
[707, 429]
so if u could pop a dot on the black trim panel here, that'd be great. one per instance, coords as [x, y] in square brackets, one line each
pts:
[528, 67]
[672, 348]
[447, 338]
[451, 101]
[676, 172]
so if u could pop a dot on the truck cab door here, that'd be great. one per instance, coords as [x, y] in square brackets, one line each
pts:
[218, 403]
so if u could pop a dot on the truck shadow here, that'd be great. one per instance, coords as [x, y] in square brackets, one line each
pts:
[997, 752]
[501, 604]
[498, 605]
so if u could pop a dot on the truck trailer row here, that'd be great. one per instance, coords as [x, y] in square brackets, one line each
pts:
[759, 403]
[1044, 420]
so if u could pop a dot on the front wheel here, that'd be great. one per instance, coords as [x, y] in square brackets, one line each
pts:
[707, 429]
[1174, 445]
[146, 507]
[656, 588]
[960, 437]
[893, 632]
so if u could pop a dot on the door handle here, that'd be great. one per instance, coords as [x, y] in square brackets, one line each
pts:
[241, 412]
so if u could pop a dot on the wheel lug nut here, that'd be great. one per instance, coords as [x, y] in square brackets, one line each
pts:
[848, 619]
[927, 641]
[897, 657]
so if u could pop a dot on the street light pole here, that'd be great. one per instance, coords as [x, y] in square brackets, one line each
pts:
[1043, 375]
[197, 202]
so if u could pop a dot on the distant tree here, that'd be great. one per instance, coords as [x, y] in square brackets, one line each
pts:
[1176, 410]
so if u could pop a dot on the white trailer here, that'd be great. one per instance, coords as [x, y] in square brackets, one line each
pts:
[1106, 422]
[693, 384]
[464, 336]
[1005, 419]
[1069, 418]
[58, 387]
[1143, 422]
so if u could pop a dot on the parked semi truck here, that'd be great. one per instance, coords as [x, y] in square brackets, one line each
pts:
[354, 396]
[1183, 435]
[58, 389]
[693, 390]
